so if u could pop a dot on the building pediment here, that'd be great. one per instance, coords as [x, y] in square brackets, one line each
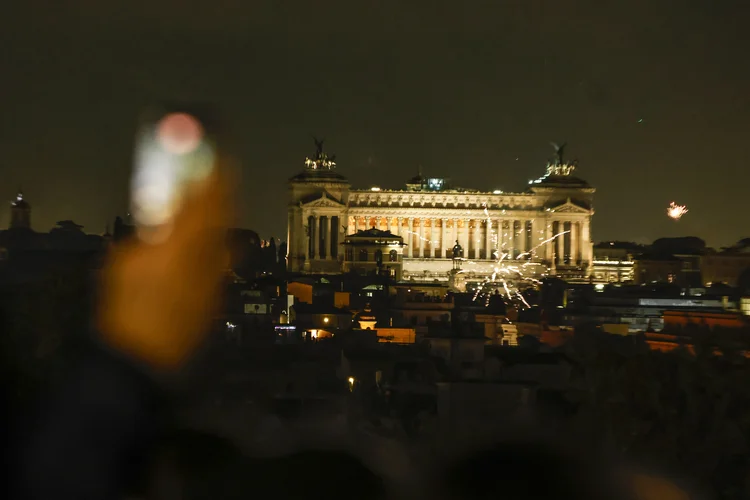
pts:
[569, 208]
[324, 201]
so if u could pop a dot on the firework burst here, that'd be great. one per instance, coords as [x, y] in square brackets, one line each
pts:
[675, 211]
[511, 275]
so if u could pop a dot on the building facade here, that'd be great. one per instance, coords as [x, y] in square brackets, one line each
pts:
[614, 262]
[373, 251]
[728, 265]
[548, 224]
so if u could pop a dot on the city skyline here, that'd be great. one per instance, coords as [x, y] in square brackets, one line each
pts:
[678, 229]
[649, 95]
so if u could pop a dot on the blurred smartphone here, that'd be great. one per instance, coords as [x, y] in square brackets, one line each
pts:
[176, 148]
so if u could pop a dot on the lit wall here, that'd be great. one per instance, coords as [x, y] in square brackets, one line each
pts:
[397, 335]
[303, 292]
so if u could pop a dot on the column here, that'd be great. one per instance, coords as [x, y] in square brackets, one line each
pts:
[501, 239]
[549, 245]
[434, 241]
[399, 221]
[499, 242]
[329, 252]
[465, 237]
[454, 240]
[511, 246]
[478, 238]
[443, 238]
[488, 238]
[475, 231]
[560, 242]
[574, 250]
[519, 237]
[586, 242]
[534, 238]
[522, 234]
[411, 237]
[339, 231]
[316, 237]
[392, 229]
[308, 238]
[421, 237]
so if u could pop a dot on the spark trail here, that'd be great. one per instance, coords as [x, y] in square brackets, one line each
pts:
[507, 273]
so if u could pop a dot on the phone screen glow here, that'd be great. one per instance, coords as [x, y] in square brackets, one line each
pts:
[172, 152]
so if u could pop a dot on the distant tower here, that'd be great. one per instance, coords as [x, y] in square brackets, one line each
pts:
[367, 319]
[20, 213]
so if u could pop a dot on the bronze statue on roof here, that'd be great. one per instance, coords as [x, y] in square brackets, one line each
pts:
[318, 147]
[559, 150]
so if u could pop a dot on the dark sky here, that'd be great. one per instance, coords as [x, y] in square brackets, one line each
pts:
[652, 97]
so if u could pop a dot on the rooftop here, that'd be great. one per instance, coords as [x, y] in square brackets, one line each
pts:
[322, 175]
[374, 236]
[564, 181]
[619, 245]
[373, 233]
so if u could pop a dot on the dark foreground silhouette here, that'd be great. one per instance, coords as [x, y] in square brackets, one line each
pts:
[107, 433]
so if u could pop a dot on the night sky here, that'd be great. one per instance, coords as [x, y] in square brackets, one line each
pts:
[652, 97]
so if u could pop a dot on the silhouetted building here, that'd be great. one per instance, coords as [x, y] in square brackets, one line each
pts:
[728, 265]
[20, 213]
[374, 252]
[657, 268]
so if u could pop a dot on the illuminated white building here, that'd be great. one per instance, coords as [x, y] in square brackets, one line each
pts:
[547, 227]
[614, 262]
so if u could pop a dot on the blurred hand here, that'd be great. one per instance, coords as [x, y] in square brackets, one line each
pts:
[158, 300]
[657, 488]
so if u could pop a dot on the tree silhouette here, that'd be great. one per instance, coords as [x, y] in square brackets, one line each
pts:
[45, 322]
[689, 412]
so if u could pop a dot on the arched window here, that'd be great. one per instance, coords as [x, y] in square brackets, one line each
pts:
[379, 256]
[393, 256]
[363, 255]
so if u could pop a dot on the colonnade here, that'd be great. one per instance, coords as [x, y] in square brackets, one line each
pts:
[566, 241]
[322, 237]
